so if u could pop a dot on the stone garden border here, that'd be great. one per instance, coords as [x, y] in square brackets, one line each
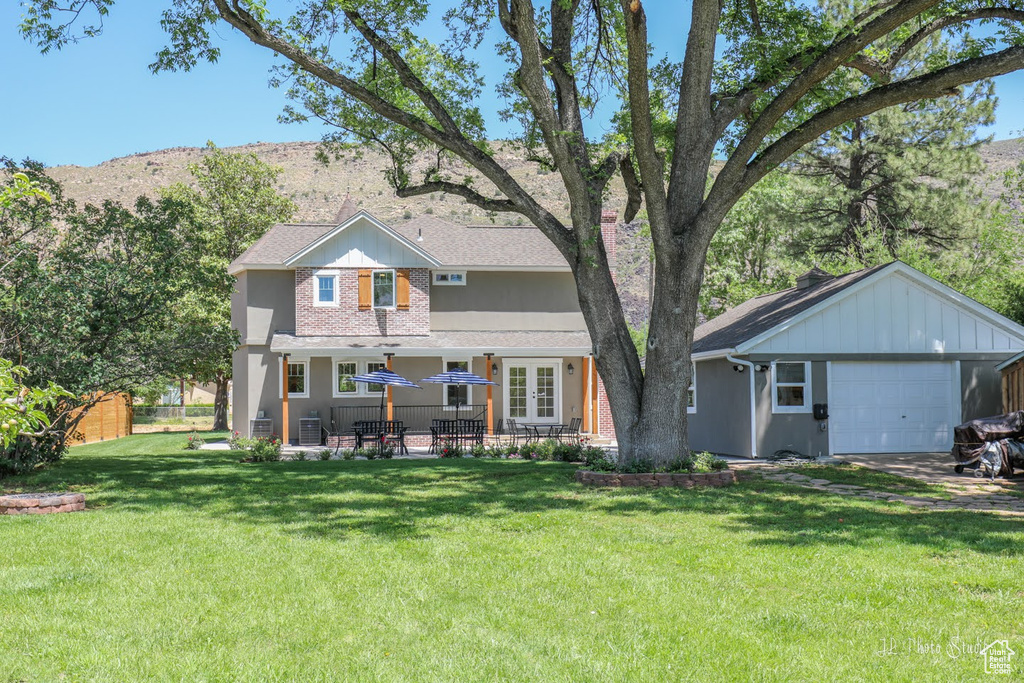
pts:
[41, 503]
[657, 479]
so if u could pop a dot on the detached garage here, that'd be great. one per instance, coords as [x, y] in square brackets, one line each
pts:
[883, 360]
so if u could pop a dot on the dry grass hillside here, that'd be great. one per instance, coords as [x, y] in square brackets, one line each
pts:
[318, 191]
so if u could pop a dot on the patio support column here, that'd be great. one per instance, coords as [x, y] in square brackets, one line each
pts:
[593, 397]
[391, 405]
[586, 393]
[490, 394]
[284, 399]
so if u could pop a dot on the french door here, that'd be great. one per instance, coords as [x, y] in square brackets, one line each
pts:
[533, 391]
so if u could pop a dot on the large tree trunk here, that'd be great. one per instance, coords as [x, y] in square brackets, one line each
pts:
[220, 403]
[649, 410]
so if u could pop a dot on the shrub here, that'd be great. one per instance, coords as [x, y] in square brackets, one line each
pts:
[324, 453]
[596, 460]
[194, 442]
[260, 449]
[478, 451]
[706, 462]
[299, 455]
[450, 449]
[348, 454]
[23, 454]
[385, 450]
[501, 451]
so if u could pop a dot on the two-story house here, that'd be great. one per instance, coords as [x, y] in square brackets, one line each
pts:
[316, 304]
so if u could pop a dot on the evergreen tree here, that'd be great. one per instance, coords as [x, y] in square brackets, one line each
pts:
[905, 171]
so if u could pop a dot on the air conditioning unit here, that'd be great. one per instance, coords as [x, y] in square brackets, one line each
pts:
[261, 427]
[309, 431]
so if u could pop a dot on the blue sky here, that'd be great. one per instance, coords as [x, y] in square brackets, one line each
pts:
[97, 100]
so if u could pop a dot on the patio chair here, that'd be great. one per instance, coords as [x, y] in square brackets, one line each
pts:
[571, 432]
[515, 433]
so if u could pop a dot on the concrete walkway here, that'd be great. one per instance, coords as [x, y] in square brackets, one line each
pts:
[932, 468]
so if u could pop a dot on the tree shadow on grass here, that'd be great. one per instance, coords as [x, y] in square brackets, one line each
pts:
[390, 498]
[403, 499]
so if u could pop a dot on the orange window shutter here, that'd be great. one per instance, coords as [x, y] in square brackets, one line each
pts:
[402, 289]
[365, 291]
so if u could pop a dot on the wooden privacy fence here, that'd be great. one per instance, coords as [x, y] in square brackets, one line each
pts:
[1013, 387]
[109, 418]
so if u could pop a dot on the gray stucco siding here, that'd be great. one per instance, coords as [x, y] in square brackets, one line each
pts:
[798, 432]
[271, 305]
[721, 423]
[494, 300]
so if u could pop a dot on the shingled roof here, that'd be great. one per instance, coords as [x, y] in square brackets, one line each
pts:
[455, 246]
[762, 313]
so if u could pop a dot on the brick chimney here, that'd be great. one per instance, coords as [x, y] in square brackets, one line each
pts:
[609, 233]
[347, 210]
[813, 277]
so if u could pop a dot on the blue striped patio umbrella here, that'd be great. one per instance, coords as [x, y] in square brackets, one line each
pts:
[458, 377]
[386, 379]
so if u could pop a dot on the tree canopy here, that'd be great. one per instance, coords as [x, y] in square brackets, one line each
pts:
[233, 203]
[755, 83]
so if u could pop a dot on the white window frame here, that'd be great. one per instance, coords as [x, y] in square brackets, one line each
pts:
[692, 389]
[447, 281]
[394, 289]
[444, 387]
[366, 368]
[806, 384]
[280, 379]
[334, 379]
[321, 275]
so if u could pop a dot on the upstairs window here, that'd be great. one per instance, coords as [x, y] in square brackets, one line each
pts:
[450, 278]
[791, 387]
[325, 291]
[383, 288]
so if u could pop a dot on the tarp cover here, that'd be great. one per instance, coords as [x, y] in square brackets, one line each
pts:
[971, 438]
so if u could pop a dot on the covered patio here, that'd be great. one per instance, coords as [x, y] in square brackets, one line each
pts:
[541, 378]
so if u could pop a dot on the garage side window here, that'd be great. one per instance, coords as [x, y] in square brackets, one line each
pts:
[791, 387]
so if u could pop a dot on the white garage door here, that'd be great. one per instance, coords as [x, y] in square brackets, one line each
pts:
[892, 407]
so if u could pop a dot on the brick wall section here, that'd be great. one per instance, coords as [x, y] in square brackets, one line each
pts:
[605, 426]
[609, 232]
[346, 319]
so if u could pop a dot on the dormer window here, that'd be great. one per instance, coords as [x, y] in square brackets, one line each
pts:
[325, 288]
[383, 288]
[449, 277]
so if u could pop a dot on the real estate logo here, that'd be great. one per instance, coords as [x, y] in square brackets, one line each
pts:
[997, 656]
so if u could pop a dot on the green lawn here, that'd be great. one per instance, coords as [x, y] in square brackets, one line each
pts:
[193, 566]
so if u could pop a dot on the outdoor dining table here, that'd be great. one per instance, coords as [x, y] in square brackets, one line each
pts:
[534, 429]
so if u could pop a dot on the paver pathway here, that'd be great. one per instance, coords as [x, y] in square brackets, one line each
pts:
[1003, 504]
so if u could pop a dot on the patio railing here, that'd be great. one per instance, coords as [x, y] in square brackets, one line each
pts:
[416, 419]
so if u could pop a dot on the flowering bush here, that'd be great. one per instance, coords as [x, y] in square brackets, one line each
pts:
[260, 449]
[195, 442]
[451, 449]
